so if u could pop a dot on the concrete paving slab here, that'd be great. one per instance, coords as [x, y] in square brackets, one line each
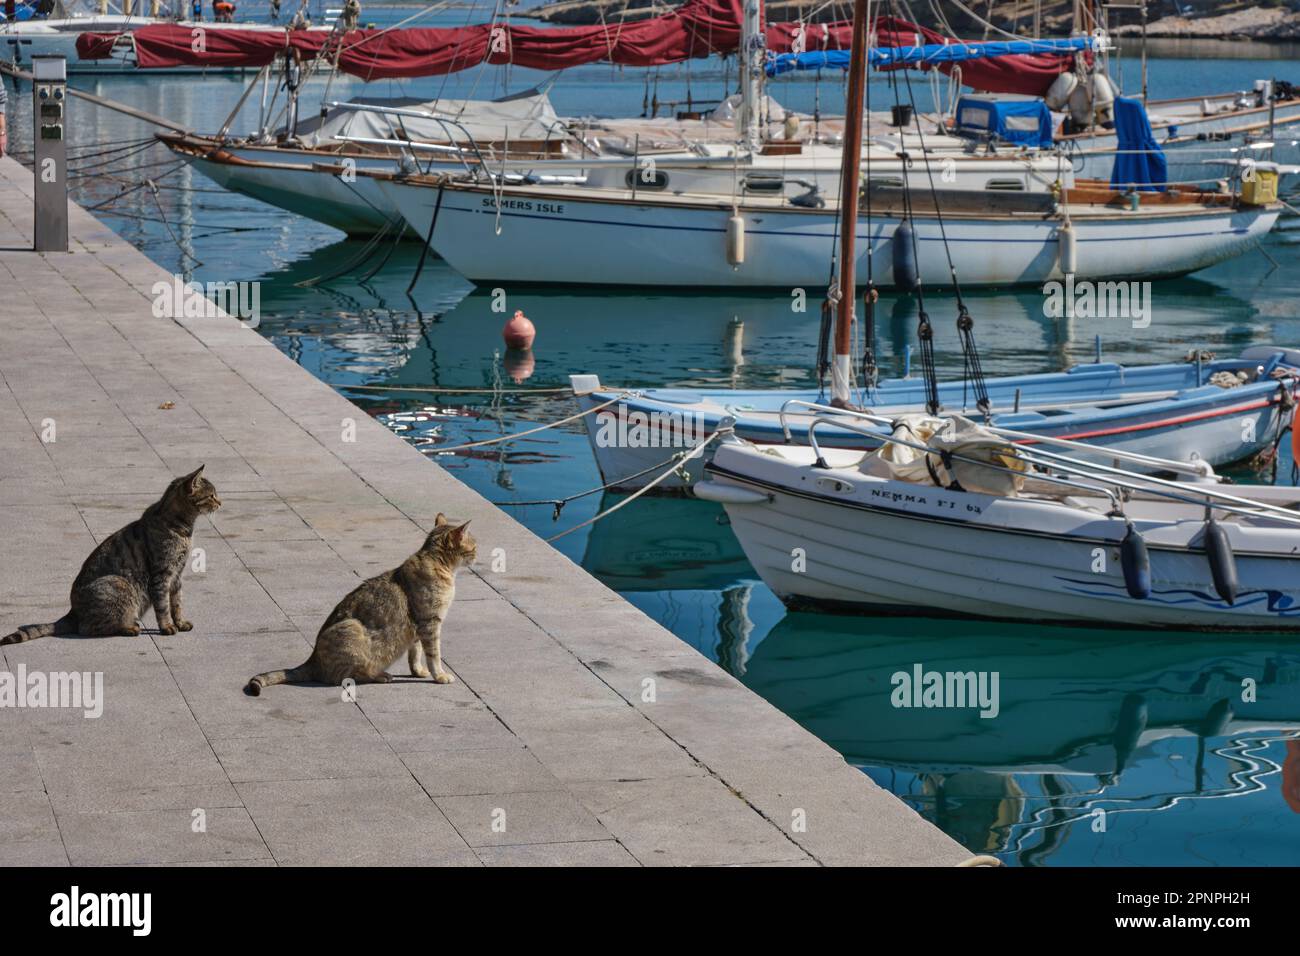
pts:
[477, 772]
[161, 836]
[385, 822]
[591, 853]
[502, 819]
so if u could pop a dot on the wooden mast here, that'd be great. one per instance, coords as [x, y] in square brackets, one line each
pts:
[841, 369]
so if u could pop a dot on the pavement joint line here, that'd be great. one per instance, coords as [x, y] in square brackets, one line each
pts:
[651, 721]
[45, 787]
[212, 750]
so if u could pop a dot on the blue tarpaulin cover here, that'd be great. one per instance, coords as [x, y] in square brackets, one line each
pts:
[1140, 163]
[1024, 122]
[927, 54]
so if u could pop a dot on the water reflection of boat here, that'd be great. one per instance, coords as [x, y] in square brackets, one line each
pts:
[664, 544]
[756, 340]
[1072, 706]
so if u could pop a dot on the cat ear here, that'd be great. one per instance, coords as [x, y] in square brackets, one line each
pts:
[459, 532]
[439, 521]
[193, 476]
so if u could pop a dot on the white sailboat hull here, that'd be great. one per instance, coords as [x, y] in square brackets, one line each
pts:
[306, 181]
[565, 238]
[356, 207]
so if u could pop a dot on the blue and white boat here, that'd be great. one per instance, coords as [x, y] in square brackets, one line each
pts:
[1209, 413]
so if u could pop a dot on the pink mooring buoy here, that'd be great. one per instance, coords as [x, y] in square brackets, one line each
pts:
[519, 332]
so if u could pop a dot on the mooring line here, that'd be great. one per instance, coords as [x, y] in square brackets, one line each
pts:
[433, 390]
[685, 457]
[559, 503]
[533, 431]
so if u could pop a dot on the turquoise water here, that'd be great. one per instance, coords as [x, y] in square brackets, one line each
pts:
[1110, 748]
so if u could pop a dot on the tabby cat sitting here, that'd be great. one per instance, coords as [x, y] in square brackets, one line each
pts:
[398, 611]
[135, 567]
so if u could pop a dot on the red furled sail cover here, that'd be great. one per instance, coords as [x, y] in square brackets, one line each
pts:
[698, 28]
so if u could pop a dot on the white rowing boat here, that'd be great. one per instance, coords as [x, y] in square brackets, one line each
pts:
[963, 522]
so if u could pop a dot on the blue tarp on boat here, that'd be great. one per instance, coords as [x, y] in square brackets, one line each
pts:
[1140, 163]
[926, 54]
[1022, 122]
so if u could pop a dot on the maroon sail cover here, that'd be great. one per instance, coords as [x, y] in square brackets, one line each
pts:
[698, 28]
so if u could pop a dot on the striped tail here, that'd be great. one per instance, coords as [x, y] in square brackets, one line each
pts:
[296, 675]
[30, 632]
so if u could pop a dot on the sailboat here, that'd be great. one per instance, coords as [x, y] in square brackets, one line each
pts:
[106, 34]
[334, 170]
[951, 517]
[627, 235]
[659, 229]
[1202, 413]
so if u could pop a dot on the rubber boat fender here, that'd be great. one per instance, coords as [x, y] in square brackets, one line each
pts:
[1058, 94]
[1223, 564]
[903, 247]
[1080, 105]
[729, 494]
[1067, 249]
[1129, 727]
[1135, 561]
[735, 239]
[1103, 98]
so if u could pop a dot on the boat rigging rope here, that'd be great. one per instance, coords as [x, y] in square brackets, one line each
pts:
[924, 330]
[559, 503]
[433, 224]
[533, 431]
[686, 456]
[153, 191]
[435, 390]
[870, 370]
[973, 370]
[363, 256]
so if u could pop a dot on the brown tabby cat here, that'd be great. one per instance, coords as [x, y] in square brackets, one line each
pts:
[134, 567]
[399, 610]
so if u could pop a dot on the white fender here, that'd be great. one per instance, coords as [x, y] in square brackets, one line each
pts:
[729, 494]
[1068, 250]
[735, 239]
[1080, 106]
[1103, 98]
[1058, 94]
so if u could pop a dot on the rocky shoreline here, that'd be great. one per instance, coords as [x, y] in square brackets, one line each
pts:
[1252, 23]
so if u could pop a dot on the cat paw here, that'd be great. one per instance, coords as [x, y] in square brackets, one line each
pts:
[133, 631]
[384, 678]
[166, 628]
[421, 672]
[444, 678]
[184, 626]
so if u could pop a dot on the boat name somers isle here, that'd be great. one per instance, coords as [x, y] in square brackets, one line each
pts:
[524, 205]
